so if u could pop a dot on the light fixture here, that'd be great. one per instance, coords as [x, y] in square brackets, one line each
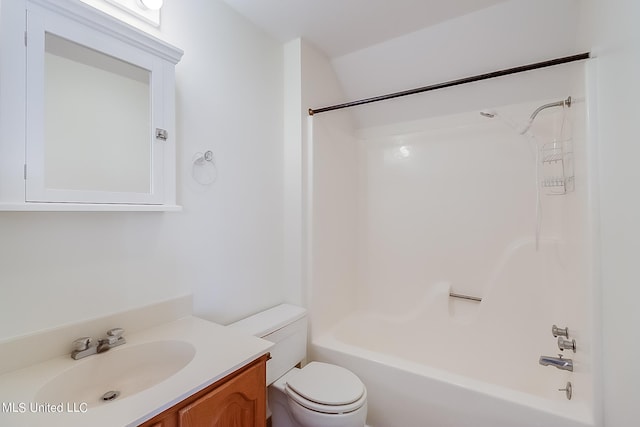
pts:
[150, 4]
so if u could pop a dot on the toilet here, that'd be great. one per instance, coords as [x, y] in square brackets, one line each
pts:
[316, 395]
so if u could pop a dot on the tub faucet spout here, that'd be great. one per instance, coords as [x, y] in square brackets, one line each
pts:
[558, 362]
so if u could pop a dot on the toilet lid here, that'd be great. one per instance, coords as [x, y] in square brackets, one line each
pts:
[325, 409]
[327, 384]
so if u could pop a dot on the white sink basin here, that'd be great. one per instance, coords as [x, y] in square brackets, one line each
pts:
[127, 369]
[157, 367]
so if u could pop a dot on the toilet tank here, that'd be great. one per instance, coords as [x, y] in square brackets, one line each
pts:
[286, 326]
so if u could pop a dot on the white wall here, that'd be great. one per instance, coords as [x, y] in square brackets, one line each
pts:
[294, 235]
[509, 34]
[226, 246]
[616, 42]
[329, 277]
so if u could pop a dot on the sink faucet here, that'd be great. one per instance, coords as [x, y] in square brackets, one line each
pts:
[558, 362]
[83, 347]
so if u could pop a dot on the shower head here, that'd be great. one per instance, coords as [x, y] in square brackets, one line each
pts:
[492, 114]
[524, 128]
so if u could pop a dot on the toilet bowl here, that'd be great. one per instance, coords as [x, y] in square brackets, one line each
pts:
[316, 395]
[323, 395]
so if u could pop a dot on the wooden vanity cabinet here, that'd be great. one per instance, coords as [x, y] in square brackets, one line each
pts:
[237, 400]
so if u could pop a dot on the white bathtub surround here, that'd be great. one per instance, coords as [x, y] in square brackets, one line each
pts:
[217, 351]
[448, 204]
[463, 363]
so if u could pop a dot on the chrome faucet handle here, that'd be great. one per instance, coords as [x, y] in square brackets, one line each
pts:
[560, 332]
[564, 344]
[568, 389]
[114, 336]
[115, 332]
[82, 344]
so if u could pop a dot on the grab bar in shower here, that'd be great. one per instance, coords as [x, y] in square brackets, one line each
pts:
[467, 297]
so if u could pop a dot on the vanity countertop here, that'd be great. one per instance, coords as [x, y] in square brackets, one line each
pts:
[218, 352]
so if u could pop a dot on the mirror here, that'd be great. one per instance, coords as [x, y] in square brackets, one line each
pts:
[97, 120]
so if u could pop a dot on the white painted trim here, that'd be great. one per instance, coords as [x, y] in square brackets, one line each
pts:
[13, 106]
[593, 183]
[151, 17]
[12, 101]
[40, 22]
[87, 207]
[100, 21]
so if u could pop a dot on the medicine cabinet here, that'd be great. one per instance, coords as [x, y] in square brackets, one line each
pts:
[99, 125]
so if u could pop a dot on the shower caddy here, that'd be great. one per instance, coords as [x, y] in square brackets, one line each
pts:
[557, 167]
[556, 157]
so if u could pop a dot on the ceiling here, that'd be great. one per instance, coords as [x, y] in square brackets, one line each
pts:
[339, 27]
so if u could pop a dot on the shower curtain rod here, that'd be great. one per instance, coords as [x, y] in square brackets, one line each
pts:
[500, 73]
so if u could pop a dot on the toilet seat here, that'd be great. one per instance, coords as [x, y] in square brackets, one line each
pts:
[326, 388]
[325, 409]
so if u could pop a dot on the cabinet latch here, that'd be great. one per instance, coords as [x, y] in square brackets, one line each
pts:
[162, 134]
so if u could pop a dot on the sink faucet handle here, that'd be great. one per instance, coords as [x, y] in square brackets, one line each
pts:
[81, 344]
[115, 332]
[115, 336]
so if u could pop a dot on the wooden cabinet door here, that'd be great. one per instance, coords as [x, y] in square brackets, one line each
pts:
[159, 424]
[165, 419]
[239, 402]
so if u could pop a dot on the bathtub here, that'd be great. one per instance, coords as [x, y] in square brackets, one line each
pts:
[447, 362]
[406, 393]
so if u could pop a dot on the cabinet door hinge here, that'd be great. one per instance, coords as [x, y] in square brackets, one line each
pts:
[25, 38]
[25, 171]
